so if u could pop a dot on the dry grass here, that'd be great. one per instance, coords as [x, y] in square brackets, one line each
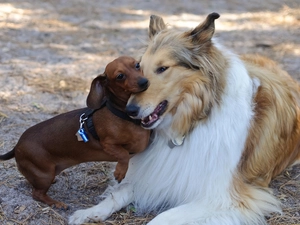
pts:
[287, 189]
[51, 50]
[285, 17]
[57, 84]
[2, 116]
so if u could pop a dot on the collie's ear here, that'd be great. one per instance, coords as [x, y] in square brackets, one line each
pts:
[204, 31]
[96, 94]
[156, 24]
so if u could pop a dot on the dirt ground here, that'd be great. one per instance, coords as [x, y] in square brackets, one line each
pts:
[50, 50]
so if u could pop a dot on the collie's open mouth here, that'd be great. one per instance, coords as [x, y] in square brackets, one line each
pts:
[149, 120]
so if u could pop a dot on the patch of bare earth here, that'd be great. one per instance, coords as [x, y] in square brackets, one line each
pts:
[50, 50]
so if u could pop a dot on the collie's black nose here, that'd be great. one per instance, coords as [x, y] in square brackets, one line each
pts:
[132, 110]
[143, 83]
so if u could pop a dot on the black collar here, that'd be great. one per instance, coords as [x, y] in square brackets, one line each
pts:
[121, 114]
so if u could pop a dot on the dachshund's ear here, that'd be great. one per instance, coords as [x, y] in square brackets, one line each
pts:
[96, 94]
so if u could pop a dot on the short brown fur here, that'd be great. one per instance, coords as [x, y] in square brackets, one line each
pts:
[49, 147]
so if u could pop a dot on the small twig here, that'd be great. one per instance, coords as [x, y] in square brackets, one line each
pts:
[3, 115]
[289, 181]
[23, 221]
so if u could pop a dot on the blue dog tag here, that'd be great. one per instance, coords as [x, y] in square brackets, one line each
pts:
[83, 135]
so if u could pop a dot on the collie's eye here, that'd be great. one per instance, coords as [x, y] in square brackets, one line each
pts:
[137, 66]
[121, 76]
[161, 69]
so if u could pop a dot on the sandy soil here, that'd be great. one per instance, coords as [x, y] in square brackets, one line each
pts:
[50, 50]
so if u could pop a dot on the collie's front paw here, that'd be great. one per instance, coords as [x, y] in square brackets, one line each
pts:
[84, 216]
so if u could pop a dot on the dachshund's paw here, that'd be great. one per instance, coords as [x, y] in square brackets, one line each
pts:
[119, 176]
[60, 205]
[120, 172]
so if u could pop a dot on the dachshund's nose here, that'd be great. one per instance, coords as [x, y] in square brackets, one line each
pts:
[143, 83]
[132, 110]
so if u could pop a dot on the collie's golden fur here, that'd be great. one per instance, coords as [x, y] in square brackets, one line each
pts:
[233, 124]
[273, 140]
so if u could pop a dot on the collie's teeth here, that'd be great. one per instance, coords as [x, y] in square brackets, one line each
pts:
[150, 117]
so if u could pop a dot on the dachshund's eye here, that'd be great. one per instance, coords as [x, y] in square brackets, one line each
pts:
[121, 76]
[161, 69]
[137, 66]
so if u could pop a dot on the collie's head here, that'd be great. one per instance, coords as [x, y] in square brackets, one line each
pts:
[186, 75]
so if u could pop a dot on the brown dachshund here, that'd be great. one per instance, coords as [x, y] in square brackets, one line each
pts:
[103, 134]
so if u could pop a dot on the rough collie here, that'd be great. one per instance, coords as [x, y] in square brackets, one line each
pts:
[224, 126]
